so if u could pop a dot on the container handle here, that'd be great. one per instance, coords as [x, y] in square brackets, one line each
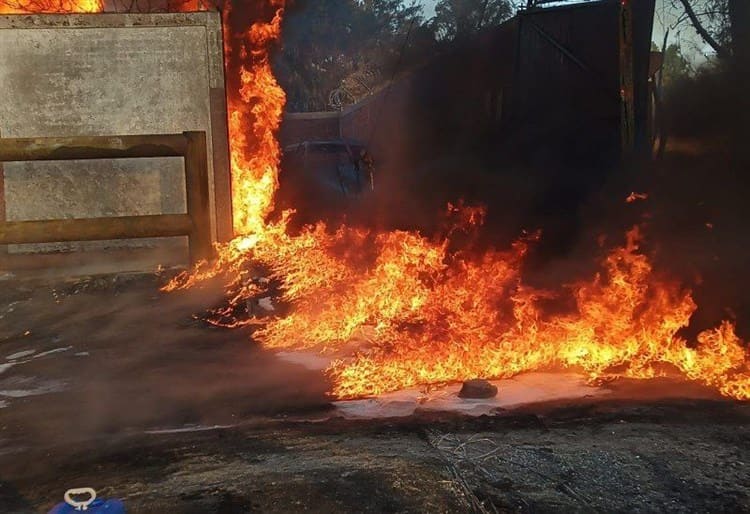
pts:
[77, 504]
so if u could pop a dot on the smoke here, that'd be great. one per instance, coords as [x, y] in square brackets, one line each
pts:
[143, 363]
[700, 188]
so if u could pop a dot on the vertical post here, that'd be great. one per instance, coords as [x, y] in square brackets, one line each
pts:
[196, 189]
[3, 248]
[222, 190]
[627, 96]
[516, 89]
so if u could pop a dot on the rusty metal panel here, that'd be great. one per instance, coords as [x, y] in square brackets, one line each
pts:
[569, 70]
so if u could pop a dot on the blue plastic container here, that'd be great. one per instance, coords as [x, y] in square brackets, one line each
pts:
[97, 506]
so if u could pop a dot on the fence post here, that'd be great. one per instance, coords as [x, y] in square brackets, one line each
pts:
[196, 189]
[3, 248]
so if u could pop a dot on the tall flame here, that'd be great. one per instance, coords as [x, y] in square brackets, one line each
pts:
[254, 117]
[50, 6]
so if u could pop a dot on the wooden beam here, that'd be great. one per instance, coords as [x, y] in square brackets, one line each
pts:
[98, 147]
[93, 229]
[222, 177]
[196, 223]
[196, 188]
[3, 248]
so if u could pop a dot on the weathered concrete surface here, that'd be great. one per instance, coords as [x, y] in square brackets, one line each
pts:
[110, 75]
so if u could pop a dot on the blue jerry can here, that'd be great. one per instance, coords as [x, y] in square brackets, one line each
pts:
[91, 505]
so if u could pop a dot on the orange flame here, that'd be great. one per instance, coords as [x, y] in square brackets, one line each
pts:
[50, 6]
[420, 314]
[634, 197]
[400, 310]
[254, 117]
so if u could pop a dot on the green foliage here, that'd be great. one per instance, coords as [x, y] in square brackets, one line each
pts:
[717, 14]
[341, 45]
[462, 18]
[675, 66]
[335, 52]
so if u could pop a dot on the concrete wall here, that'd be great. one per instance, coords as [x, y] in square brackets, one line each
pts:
[111, 74]
[308, 126]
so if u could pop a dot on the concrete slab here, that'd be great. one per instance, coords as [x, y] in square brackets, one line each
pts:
[111, 74]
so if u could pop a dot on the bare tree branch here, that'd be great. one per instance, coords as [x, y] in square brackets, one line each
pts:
[722, 52]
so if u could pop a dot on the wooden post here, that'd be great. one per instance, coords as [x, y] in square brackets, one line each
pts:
[196, 189]
[222, 176]
[3, 215]
[91, 147]
[95, 229]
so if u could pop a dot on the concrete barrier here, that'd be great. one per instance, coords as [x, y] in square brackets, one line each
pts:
[98, 75]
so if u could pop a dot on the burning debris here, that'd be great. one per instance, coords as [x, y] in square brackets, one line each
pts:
[634, 197]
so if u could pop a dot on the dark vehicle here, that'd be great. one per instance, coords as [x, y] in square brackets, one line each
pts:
[324, 179]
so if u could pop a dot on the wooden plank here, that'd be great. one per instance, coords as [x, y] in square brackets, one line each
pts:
[98, 147]
[196, 188]
[93, 229]
[222, 177]
[196, 224]
[3, 248]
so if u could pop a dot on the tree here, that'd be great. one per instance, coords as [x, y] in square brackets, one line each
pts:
[711, 23]
[675, 66]
[336, 51]
[723, 24]
[462, 18]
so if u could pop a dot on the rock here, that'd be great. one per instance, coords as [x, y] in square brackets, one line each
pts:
[477, 388]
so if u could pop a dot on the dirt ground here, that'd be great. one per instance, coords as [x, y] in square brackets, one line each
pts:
[106, 382]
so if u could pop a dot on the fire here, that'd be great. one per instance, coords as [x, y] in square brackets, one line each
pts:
[50, 6]
[397, 309]
[634, 197]
[254, 117]
[417, 313]
[400, 310]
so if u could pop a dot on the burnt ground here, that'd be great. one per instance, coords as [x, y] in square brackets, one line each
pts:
[121, 376]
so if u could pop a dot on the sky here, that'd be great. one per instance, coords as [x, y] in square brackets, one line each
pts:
[428, 6]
